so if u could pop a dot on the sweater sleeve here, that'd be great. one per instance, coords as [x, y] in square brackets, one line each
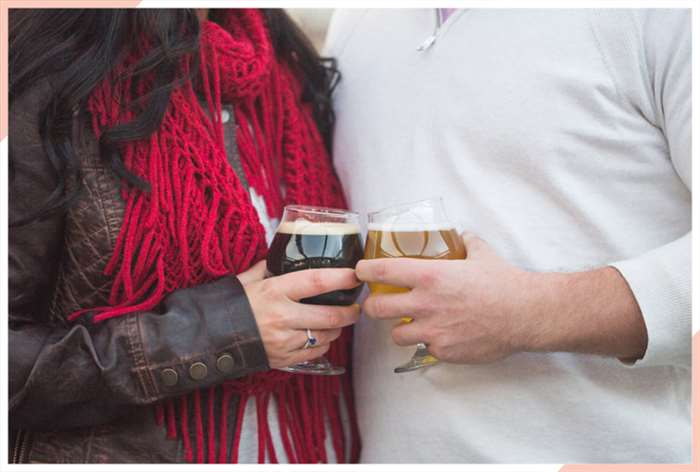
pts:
[661, 278]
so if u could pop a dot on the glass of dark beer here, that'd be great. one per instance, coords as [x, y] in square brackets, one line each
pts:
[317, 238]
[418, 230]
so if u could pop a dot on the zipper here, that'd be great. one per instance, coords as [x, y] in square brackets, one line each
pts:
[19, 455]
[439, 28]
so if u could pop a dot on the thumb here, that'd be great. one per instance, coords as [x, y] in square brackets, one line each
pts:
[476, 247]
[253, 274]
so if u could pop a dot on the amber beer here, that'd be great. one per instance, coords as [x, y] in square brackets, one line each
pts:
[419, 230]
[430, 242]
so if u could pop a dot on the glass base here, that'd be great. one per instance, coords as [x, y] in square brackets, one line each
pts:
[421, 358]
[319, 366]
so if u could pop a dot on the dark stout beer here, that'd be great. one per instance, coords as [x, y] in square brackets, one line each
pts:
[300, 245]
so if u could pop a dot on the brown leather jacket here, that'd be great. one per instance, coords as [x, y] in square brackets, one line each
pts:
[83, 392]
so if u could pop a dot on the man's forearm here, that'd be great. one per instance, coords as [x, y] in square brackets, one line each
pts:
[589, 312]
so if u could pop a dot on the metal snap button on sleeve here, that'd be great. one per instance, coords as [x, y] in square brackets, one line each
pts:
[198, 371]
[169, 377]
[225, 116]
[225, 363]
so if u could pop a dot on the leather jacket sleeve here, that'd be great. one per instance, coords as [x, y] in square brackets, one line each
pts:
[74, 375]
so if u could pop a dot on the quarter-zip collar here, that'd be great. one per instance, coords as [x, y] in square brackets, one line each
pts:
[439, 28]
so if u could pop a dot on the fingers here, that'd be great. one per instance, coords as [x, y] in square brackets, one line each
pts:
[402, 272]
[253, 274]
[304, 316]
[303, 355]
[323, 337]
[389, 306]
[475, 246]
[408, 334]
[310, 282]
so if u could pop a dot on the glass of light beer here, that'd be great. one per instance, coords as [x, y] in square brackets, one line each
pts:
[317, 238]
[419, 230]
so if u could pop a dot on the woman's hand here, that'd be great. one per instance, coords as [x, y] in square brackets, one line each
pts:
[283, 321]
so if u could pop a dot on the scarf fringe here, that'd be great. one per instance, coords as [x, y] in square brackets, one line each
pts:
[301, 409]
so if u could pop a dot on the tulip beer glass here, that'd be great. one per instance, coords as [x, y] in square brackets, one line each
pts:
[317, 238]
[418, 230]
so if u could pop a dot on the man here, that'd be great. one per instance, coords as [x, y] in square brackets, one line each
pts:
[560, 139]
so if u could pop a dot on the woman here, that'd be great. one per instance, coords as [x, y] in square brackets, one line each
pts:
[151, 152]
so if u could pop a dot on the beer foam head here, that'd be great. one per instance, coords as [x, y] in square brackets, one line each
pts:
[302, 226]
[408, 227]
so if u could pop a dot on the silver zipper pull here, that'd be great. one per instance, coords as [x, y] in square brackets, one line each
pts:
[429, 41]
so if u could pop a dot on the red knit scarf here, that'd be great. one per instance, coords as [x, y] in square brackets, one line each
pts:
[198, 224]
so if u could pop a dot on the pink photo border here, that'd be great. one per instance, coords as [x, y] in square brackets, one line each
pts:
[7, 4]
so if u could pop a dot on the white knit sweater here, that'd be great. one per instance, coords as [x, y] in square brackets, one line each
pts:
[561, 137]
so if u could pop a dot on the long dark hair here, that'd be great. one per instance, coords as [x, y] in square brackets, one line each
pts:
[78, 48]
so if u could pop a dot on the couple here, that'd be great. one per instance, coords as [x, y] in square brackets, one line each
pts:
[153, 151]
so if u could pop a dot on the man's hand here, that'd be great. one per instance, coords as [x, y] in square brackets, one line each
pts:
[483, 309]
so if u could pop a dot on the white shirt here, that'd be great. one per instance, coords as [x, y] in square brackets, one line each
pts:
[562, 138]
